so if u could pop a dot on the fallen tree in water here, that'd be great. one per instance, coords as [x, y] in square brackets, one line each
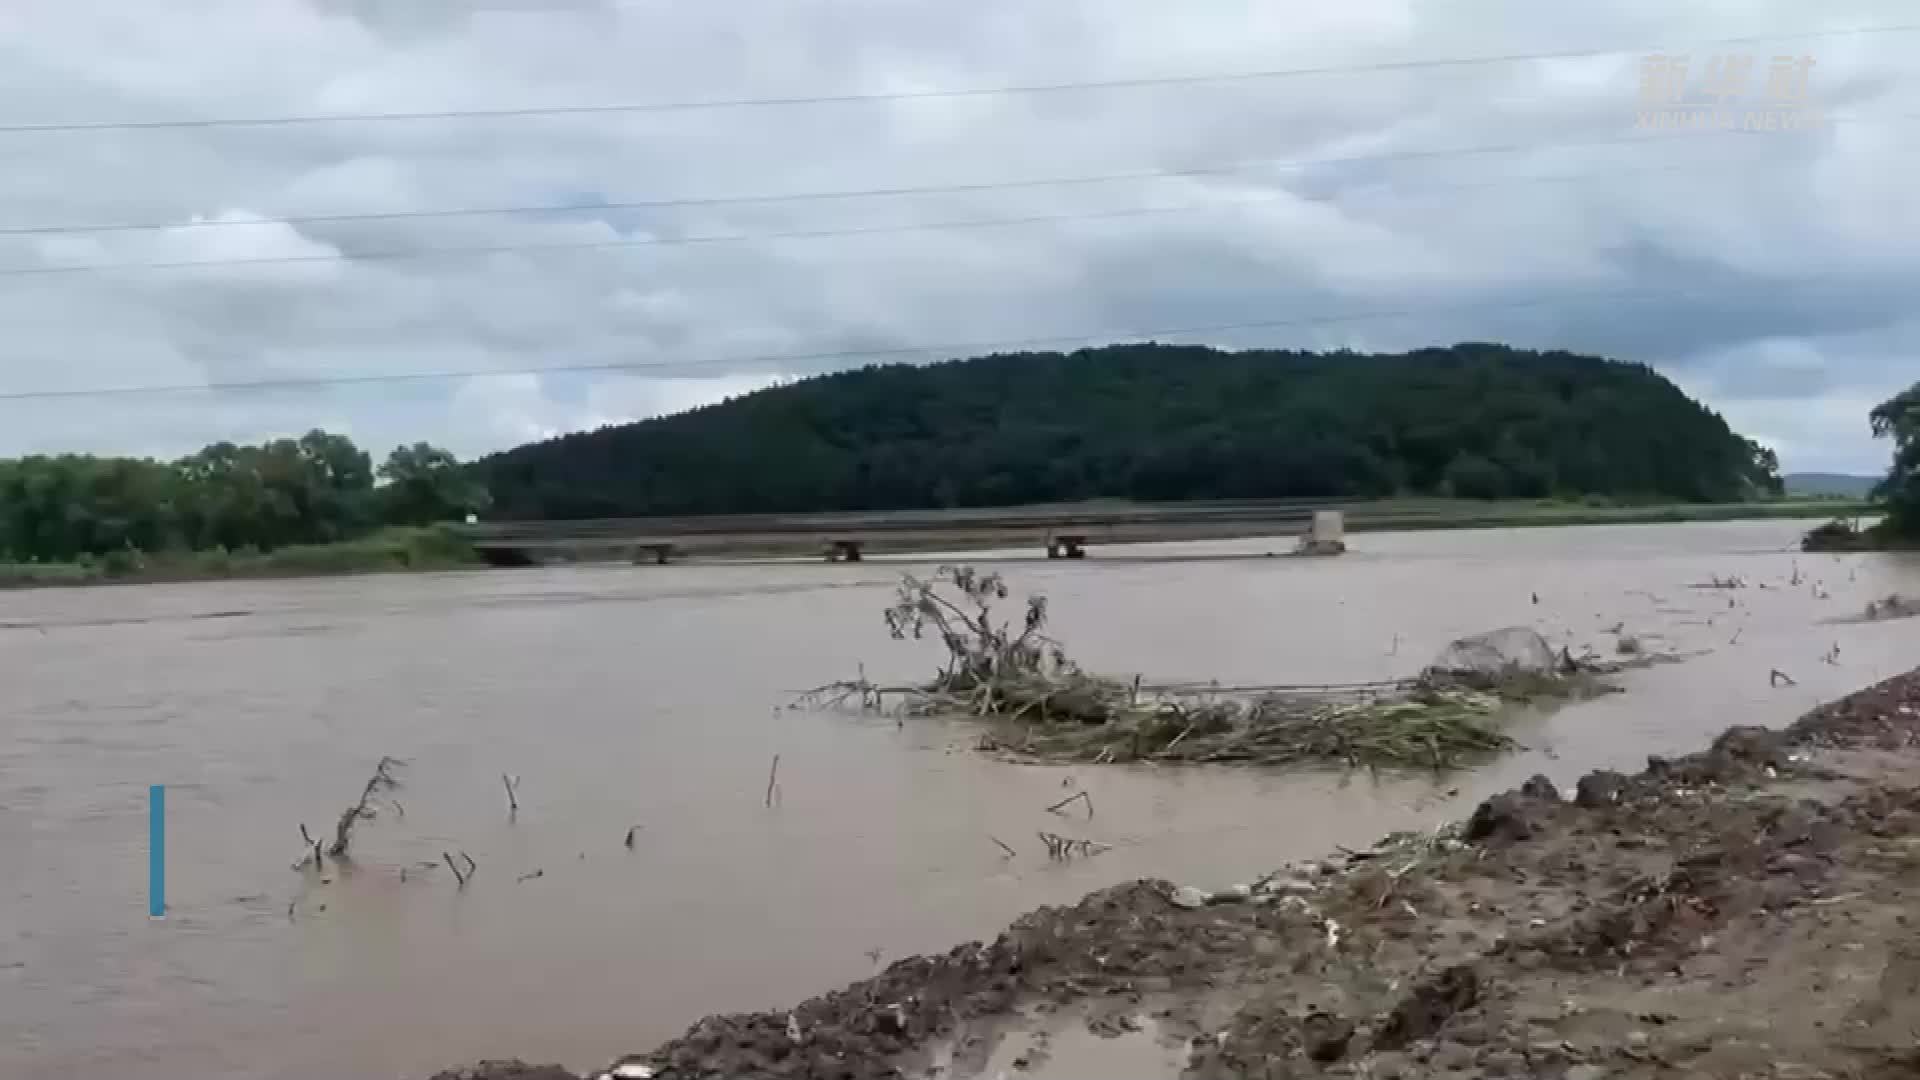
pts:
[1042, 706]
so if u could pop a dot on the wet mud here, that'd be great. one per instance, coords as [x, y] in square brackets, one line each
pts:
[1741, 911]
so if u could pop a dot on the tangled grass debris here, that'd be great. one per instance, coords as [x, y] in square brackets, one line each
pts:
[1039, 705]
[1894, 606]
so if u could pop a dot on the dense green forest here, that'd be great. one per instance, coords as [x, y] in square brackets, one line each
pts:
[1153, 422]
[316, 489]
[1898, 419]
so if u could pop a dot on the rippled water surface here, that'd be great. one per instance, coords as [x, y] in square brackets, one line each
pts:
[652, 696]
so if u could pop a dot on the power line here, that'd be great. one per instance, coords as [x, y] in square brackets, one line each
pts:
[1147, 82]
[954, 349]
[703, 202]
[627, 243]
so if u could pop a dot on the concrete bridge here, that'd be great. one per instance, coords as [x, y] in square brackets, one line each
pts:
[1062, 532]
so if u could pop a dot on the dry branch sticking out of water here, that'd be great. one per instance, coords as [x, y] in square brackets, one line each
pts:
[1043, 707]
[364, 810]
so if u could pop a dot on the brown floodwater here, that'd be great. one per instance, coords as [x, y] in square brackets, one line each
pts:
[653, 696]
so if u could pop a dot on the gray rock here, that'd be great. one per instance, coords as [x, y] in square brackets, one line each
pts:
[1512, 650]
[1187, 896]
[1233, 894]
[1452, 1055]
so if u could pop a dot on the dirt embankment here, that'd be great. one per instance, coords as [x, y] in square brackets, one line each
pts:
[1742, 911]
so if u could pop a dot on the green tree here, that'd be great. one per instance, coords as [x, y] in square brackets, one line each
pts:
[1154, 422]
[425, 484]
[1470, 476]
[1898, 418]
[313, 489]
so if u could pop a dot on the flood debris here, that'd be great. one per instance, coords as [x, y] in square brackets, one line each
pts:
[1062, 848]
[366, 809]
[460, 877]
[312, 852]
[1741, 911]
[1039, 705]
[1892, 606]
[1078, 795]
[512, 784]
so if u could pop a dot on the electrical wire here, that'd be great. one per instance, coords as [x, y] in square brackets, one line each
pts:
[1146, 82]
[622, 243]
[704, 202]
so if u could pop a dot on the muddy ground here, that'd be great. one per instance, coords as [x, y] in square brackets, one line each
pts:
[1739, 912]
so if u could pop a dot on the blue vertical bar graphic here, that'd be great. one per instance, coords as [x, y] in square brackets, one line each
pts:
[157, 851]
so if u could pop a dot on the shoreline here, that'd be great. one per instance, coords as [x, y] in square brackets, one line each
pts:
[426, 549]
[433, 549]
[1724, 912]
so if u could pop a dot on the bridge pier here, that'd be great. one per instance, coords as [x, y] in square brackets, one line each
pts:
[1068, 547]
[843, 551]
[660, 552]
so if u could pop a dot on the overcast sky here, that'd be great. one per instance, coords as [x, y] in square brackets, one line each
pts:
[1379, 207]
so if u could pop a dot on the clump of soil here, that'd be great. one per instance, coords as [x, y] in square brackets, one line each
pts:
[1740, 911]
[1040, 706]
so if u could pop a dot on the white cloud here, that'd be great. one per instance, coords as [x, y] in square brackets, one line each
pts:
[1787, 258]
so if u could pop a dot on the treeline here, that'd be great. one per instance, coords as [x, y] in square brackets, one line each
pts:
[1154, 422]
[319, 488]
[1898, 419]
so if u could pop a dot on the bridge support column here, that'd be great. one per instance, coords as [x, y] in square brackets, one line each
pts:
[1069, 547]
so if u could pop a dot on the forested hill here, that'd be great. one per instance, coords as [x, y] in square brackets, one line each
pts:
[1152, 422]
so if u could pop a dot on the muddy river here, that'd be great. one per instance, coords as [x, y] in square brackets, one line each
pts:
[652, 697]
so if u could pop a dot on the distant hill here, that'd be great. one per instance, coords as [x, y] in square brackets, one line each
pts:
[1152, 422]
[1837, 485]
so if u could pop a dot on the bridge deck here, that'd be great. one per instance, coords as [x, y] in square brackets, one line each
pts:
[909, 530]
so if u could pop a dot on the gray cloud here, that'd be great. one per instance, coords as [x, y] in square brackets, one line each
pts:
[1768, 272]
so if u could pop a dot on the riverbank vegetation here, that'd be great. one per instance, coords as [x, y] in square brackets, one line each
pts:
[316, 504]
[1039, 705]
[390, 549]
[1155, 423]
[1898, 494]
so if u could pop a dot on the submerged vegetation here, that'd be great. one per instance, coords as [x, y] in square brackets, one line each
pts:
[1040, 705]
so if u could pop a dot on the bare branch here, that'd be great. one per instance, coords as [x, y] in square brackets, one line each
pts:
[381, 780]
[1088, 799]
